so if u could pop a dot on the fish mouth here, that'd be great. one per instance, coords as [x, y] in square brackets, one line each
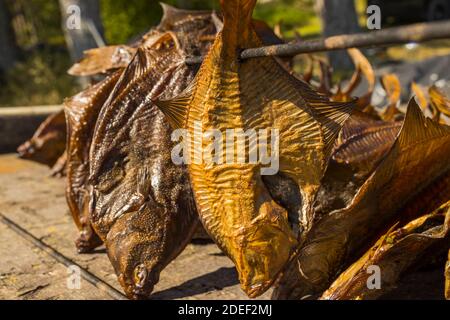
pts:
[134, 292]
[25, 150]
[263, 250]
[139, 282]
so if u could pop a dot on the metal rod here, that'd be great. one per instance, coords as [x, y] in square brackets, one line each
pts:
[97, 282]
[419, 32]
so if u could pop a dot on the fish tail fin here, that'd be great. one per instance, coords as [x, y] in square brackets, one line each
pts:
[237, 16]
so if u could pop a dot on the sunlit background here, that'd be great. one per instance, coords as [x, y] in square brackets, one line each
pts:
[34, 70]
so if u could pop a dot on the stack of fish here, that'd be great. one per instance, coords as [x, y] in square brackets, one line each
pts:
[355, 186]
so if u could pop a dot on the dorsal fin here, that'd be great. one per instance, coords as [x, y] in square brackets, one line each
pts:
[418, 128]
[102, 60]
[142, 61]
[176, 109]
[332, 116]
[417, 131]
[172, 15]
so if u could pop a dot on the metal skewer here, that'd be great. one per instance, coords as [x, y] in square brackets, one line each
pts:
[419, 32]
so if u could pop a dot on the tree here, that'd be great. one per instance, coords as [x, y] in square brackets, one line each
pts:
[338, 17]
[8, 47]
[82, 25]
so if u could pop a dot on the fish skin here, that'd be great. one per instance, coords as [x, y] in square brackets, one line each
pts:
[393, 88]
[364, 141]
[235, 206]
[48, 142]
[361, 145]
[82, 111]
[103, 60]
[141, 202]
[395, 252]
[410, 180]
[128, 247]
[447, 278]
[187, 24]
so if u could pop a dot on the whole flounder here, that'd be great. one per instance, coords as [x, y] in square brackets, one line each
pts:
[142, 205]
[259, 94]
[81, 112]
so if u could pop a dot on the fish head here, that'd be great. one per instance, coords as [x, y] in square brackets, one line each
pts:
[43, 149]
[262, 249]
[134, 255]
[48, 142]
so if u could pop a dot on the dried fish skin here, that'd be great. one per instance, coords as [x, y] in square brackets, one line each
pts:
[393, 88]
[394, 253]
[364, 141]
[141, 203]
[195, 29]
[439, 100]
[410, 180]
[48, 142]
[81, 112]
[103, 60]
[361, 145]
[364, 65]
[447, 278]
[59, 169]
[235, 206]
[190, 26]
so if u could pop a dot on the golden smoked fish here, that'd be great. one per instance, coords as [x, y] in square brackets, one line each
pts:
[82, 111]
[412, 179]
[257, 95]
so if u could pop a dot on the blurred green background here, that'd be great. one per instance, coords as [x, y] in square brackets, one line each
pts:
[39, 74]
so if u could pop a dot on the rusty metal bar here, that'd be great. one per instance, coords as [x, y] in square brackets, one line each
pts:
[419, 32]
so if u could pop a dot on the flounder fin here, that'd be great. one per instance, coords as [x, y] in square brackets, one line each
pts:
[172, 15]
[237, 9]
[417, 130]
[440, 101]
[332, 116]
[417, 127]
[176, 109]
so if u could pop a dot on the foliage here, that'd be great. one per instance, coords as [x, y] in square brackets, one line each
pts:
[293, 15]
[124, 19]
[39, 80]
